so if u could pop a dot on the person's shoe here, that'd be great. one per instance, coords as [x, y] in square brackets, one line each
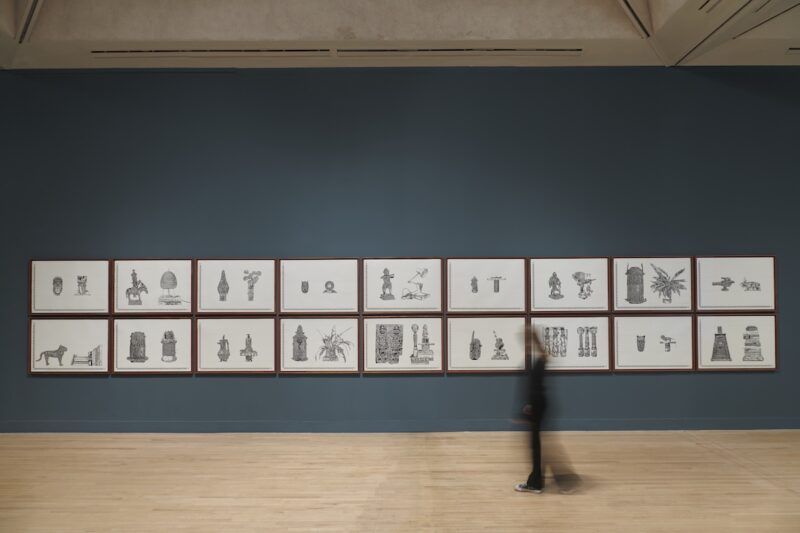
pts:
[523, 487]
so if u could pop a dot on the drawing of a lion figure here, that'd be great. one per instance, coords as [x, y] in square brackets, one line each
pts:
[58, 353]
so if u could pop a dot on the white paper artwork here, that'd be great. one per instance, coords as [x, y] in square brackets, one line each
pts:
[319, 285]
[485, 285]
[574, 343]
[392, 285]
[235, 345]
[569, 284]
[236, 286]
[319, 345]
[486, 344]
[736, 342]
[69, 345]
[652, 283]
[653, 342]
[396, 344]
[153, 345]
[69, 287]
[735, 283]
[153, 285]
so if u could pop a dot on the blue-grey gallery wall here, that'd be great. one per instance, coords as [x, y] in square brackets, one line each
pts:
[413, 162]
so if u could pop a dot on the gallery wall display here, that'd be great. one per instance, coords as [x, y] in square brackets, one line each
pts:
[736, 342]
[653, 343]
[152, 345]
[235, 286]
[153, 286]
[736, 283]
[402, 285]
[486, 285]
[486, 344]
[652, 283]
[580, 343]
[319, 345]
[69, 287]
[403, 345]
[238, 345]
[319, 285]
[569, 284]
[68, 346]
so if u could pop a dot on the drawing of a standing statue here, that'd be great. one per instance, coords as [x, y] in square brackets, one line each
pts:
[422, 355]
[222, 287]
[555, 287]
[251, 277]
[82, 289]
[386, 288]
[168, 347]
[135, 291]
[299, 345]
[248, 353]
[500, 353]
[224, 351]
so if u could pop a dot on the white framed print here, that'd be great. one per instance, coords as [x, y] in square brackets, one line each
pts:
[235, 286]
[319, 345]
[152, 345]
[736, 283]
[580, 343]
[153, 286]
[486, 344]
[238, 345]
[319, 285]
[486, 285]
[652, 283]
[569, 284]
[736, 342]
[402, 285]
[69, 286]
[68, 346]
[403, 344]
[653, 343]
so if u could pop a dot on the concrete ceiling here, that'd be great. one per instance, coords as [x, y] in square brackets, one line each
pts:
[338, 33]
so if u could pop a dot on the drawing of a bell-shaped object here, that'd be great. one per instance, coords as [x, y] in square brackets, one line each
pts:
[168, 280]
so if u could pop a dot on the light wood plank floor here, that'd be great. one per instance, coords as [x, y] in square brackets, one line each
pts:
[633, 481]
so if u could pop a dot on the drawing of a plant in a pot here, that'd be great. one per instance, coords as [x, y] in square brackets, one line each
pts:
[665, 285]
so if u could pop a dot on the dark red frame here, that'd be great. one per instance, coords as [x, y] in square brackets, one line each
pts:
[446, 357]
[244, 314]
[742, 311]
[150, 313]
[746, 369]
[557, 312]
[363, 293]
[109, 345]
[666, 311]
[609, 318]
[160, 372]
[109, 303]
[617, 370]
[405, 372]
[279, 277]
[318, 372]
[446, 280]
[238, 316]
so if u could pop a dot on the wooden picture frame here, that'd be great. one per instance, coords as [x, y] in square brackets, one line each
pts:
[403, 349]
[571, 341]
[84, 346]
[484, 328]
[235, 345]
[303, 285]
[653, 337]
[486, 285]
[139, 337]
[69, 287]
[653, 284]
[238, 286]
[399, 285]
[723, 287]
[560, 285]
[162, 287]
[303, 348]
[743, 343]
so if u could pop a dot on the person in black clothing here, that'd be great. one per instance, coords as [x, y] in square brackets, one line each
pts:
[535, 409]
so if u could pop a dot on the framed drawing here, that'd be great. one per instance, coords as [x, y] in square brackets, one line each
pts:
[486, 344]
[573, 284]
[69, 287]
[319, 285]
[736, 342]
[237, 345]
[402, 285]
[319, 345]
[152, 345]
[403, 345]
[486, 285]
[153, 286]
[736, 283]
[579, 343]
[68, 346]
[652, 284]
[653, 343]
[235, 286]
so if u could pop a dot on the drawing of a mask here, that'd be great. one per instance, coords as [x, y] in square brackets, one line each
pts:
[640, 342]
[58, 285]
[304, 287]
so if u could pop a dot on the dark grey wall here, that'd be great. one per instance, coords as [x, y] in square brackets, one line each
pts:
[396, 162]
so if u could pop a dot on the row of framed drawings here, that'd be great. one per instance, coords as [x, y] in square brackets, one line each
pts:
[401, 344]
[409, 285]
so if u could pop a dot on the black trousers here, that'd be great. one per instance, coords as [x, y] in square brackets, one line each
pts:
[536, 477]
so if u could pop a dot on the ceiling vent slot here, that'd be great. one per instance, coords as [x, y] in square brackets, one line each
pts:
[451, 52]
[216, 52]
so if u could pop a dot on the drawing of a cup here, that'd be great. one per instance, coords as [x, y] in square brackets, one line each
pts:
[304, 287]
[640, 342]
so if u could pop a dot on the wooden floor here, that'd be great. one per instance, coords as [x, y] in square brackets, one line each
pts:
[633, 481]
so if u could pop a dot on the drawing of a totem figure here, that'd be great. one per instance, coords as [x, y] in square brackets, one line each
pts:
[58, 285]
[168, 347]
[251, 277]
[473, 284]
[82, 289]
[555, 343]
[640, 339]
[634, 277]
[499, 348]
[587, 341]
[299, 345]
[582, 351]
[423, 354]
[752, 344]
[475, 347]
[136, 352]
[223, 287]
[248, 353]
[388, 343]
[593, 338]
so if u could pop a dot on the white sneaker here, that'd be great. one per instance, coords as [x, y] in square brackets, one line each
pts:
[522, 487]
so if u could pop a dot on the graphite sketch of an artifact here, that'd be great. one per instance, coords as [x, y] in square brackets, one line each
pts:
[416, 280]
[500, 353]
[304, 287]
[388, 343]
[750, 286]
[725, 283]
[329, 288]
[224, 351]
[386, 288]
[584, 281]
[587, 341]
[92, 358]
[473, 285]
[634, 278]
[223, 287]
[136, 351]
[82, 288]
[135, 291]
[640, 342]
[665, 285]
[58, 353]
[667, 342]
[752, 344]
[299, 345]
[168, 342]
[58, 285]
[496, 282]
[555, 287]
[555, 341]
[475, 347]
[248, 352]
[334, 345]
[251, 277]
[423, 354]
[720, 351]
[169, 281]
